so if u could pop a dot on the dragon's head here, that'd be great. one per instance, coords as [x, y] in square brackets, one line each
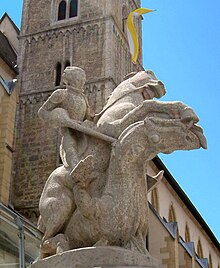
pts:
[167, 133]
[167, 127]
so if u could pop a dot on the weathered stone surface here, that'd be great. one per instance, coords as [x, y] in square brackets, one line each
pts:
[101, 199]
[94, 41]
[98, 257]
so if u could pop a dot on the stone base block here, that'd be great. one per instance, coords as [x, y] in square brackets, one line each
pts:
[98, 257]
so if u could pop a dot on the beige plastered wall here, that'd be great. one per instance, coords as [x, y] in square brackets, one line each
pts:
[167, 197]
[7, 123]
[9, 31]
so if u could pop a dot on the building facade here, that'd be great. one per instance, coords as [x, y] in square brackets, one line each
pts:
[8, 100]
[178, 235]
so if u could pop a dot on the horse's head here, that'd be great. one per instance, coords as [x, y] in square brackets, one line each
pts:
[147, 83]
[143, 83]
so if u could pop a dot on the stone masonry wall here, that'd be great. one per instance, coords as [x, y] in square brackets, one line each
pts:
[93, 41]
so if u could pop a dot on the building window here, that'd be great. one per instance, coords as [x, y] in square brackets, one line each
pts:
[124, 18]
[73, 8]
[58, 74]
[67, 63]
[60, 67]
[187, 234]
[210, 261]
[154, 199]
[172, 214]
[62, 10]
[65, 9]
[199, 249]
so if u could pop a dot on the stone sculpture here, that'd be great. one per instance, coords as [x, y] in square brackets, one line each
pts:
[70, 103]
[100, 198]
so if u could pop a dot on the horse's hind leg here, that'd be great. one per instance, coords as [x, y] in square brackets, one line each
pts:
[101, 243]
[137, 243]
[56, 203]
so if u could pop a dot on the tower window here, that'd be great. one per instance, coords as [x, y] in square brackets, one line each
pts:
[60, 67]
[58, 74]
[62, 10]
[65, 9]
[124, 18]
[67, 63]
[73, 8]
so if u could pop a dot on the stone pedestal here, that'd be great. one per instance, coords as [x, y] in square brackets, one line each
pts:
[99, 257]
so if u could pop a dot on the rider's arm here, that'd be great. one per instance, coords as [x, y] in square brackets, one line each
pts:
[50, 111]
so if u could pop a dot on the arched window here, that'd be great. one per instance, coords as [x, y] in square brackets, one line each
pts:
[67, 63]
[210, 261]
[199, 249]
[154, 199]
[172, 214]
[73, 8]
[58, 74]
[187, 234]
[62, 10]
[124, 17]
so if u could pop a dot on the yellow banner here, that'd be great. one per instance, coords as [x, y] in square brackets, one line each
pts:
[132, 33]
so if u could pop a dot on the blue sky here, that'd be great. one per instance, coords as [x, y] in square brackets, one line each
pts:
[181, 45]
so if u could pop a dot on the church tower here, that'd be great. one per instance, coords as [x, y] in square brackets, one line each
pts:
[54, 34]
